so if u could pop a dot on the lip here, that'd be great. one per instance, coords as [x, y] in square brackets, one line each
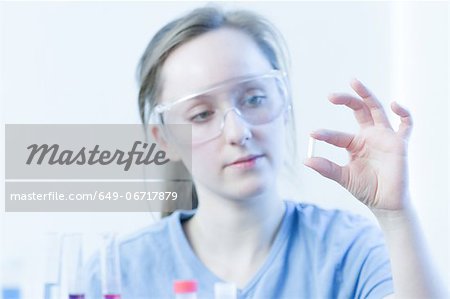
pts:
[250, 159]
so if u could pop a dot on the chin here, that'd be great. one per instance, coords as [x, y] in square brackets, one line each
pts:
[249, 189]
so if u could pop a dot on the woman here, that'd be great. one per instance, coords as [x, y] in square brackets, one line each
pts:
[225, 75]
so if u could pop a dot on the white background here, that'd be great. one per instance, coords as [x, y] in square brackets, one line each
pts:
[75, 63]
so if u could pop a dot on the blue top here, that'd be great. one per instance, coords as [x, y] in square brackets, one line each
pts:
[317, 253]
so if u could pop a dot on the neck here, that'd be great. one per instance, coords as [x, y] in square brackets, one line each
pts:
[229, 226]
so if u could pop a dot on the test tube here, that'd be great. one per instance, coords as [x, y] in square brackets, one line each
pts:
[225, 290]
[73, 261]
[11, 272]
[11, 293]
[185, 289]
[110, 266]
[53, 263]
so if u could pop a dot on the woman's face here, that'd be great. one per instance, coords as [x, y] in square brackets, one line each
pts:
[212, 58]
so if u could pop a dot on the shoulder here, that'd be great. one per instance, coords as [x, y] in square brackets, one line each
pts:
[312, 214]
[330, 225]
[349, 249]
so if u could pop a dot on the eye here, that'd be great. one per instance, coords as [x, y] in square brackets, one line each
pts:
[202, 116]
[254, 101]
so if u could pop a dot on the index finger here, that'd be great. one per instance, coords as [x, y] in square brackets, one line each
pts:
[360, 109]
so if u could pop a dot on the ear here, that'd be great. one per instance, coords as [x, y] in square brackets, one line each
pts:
[161, 139]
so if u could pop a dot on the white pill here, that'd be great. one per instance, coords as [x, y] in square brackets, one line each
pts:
[311, 144]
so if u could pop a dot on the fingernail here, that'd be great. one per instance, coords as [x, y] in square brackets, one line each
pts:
[313, 135]
[306, 162]
[318, 133]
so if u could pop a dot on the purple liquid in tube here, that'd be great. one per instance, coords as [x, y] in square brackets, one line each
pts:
[76, 296]
[111, 296]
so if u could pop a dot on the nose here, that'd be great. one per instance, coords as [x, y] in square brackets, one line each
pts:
[235, 129]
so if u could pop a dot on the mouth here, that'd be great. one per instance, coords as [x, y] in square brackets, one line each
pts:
[245, 162]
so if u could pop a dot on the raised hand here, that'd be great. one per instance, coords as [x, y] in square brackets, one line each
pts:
[377, 172]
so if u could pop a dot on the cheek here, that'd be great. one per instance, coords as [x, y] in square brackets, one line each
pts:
[273, 138]
[273, 134]
[204, 159]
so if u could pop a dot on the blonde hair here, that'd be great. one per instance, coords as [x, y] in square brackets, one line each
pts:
[194, 24]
